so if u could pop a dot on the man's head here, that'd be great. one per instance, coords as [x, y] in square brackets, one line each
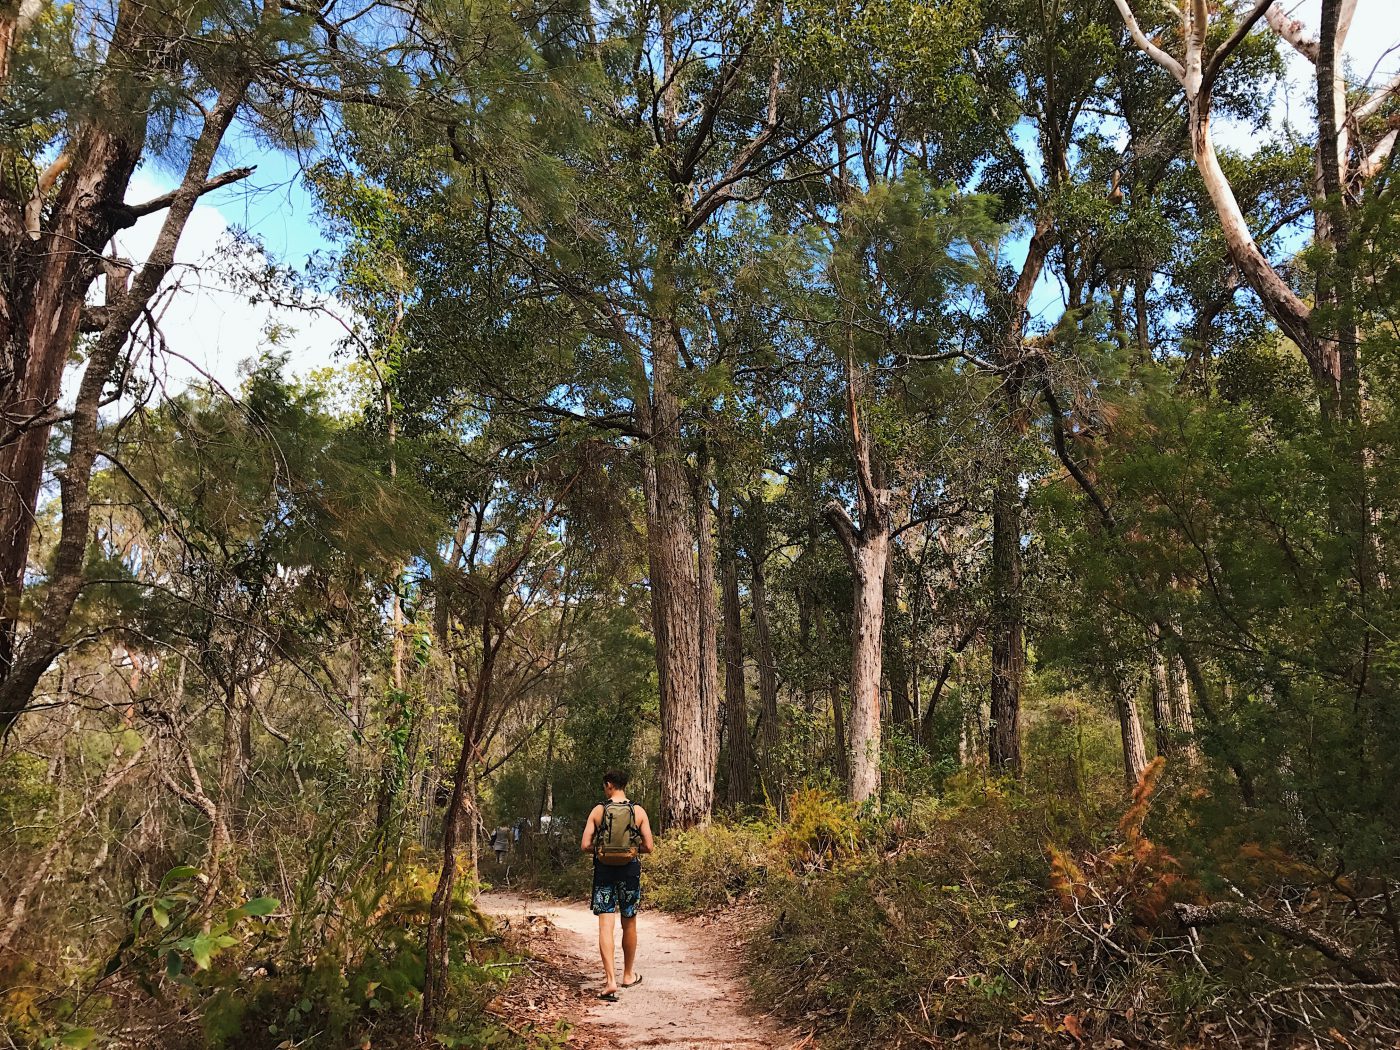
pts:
[614, 780]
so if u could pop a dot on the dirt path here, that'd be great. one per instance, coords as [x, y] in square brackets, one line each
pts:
[691, 995]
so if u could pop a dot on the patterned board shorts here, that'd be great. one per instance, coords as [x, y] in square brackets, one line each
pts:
[624, 894]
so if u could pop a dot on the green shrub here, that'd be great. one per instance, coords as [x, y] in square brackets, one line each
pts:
[940, 921]
[705, 868]
[819, 830]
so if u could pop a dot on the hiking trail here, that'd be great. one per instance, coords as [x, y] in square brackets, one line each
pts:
[692, 995]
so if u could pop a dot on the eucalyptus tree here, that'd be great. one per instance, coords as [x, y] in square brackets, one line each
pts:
[1327, 307]
[898, 265]
[588, 200]
[704, 112]
[1354, 144]
[90, 92]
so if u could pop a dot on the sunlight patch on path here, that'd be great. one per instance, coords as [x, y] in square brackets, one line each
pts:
[691, 996]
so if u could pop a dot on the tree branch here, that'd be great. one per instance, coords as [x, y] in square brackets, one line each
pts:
[840, 520]
[1291, 30]
[1284, 925]
[1223, 52]
[165, 200]
[1376, 99]
[1375, 160]
[1148, 48]
[1057, 428]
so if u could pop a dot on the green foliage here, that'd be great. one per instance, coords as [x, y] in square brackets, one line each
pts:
[178, 934]
[820, 830]
[700, 870]
[25, 791]
[986, 915]
[723, 239]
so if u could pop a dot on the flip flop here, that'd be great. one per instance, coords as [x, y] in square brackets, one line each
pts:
[610, 997]
[633, 984]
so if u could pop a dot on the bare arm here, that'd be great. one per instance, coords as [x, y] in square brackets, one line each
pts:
[590, 828]
[644, 826]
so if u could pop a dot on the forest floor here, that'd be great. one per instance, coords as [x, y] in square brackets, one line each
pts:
[693, 994]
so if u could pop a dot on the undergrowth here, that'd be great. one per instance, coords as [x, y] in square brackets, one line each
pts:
[340, 965]
[984, 916]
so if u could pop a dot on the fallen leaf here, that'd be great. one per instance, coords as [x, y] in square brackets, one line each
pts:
[1073, 1027]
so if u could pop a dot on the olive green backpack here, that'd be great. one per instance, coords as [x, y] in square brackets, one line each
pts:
[618, 840]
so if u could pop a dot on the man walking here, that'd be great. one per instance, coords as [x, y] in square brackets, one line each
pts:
[617, 833]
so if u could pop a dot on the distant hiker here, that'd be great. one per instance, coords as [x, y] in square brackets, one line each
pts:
[617, 833]
[500, 842]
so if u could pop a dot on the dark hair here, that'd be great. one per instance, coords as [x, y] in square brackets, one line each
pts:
[616, 777]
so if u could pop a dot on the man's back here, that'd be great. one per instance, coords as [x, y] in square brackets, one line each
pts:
[617, 833]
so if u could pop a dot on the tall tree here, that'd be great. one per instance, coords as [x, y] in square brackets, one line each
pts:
[151, 71]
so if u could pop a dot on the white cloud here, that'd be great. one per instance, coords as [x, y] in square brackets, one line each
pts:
[208, 326]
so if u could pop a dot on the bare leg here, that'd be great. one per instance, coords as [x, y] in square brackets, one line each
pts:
[629, 949]
[606, 947]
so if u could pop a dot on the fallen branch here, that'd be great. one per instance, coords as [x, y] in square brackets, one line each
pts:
[1193, 915]
[1335, 986]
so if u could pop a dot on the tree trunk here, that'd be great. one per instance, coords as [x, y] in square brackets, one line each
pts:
[838, 729]
[896, 659]
[355, 687]
[688, 725]
[393, 764]
[233, 769]
[471, 715]
[32, 366]
[1125, 688]
[1007, 617]
[439, 909]
[738, 748]
[1182, 716]
[1164, 729]
[867, 549]
[867, 615]
[1008, 632]
[547, 788]
[1179, 699]
[711, 696]
[770, 726]
[40, 312]
[1292, 314]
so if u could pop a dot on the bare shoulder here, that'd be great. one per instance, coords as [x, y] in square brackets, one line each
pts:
[641, 813]
[597, 813]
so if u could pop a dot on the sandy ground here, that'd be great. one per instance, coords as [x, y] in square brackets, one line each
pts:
[691, 995]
